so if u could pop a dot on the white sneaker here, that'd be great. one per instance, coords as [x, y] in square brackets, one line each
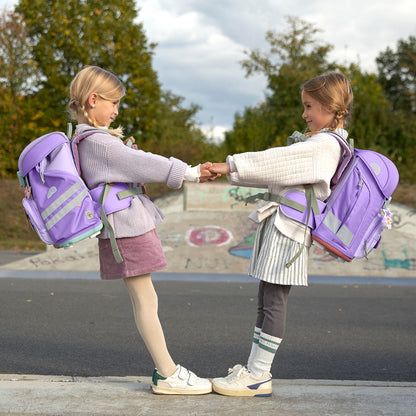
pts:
[182, 381]
[232, 372]
[240, 382]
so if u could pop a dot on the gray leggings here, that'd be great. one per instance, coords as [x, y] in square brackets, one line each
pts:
[271, 308]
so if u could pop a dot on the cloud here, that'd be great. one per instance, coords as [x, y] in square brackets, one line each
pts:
[201, 43]
[359, 31]
[202, 63]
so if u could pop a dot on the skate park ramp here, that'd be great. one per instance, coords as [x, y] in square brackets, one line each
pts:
[206, 230]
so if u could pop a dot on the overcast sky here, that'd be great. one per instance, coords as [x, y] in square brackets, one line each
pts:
[201, 42]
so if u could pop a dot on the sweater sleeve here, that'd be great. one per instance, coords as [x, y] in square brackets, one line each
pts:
[105, 159]
[302, 163]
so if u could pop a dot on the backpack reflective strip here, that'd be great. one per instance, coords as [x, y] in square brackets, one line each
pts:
[333, 224]
[345, 235]
[59, 201]
[66, 209]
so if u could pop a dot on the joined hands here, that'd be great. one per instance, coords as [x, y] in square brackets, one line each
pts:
[211, 171]
[206, 174]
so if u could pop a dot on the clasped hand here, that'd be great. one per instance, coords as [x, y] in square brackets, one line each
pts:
[206, 174]
[211, 171]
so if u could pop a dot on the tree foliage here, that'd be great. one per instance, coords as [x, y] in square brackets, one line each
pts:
[384, 105]
[294, 56]
[397, 75]
[46, 42]
[17, 75]
[66, 36]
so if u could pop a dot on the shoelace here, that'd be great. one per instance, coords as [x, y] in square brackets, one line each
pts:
[233, 374]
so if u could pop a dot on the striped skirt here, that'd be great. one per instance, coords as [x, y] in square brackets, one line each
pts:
[272, 251]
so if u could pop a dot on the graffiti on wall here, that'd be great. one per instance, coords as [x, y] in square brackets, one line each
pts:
[244, 249]
[402, 220]
[236, 195]
[208, 235]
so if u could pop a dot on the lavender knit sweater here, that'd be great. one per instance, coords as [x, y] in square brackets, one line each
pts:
[105, 159]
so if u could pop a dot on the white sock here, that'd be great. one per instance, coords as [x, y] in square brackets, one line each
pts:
[264, 355]
[254, 346]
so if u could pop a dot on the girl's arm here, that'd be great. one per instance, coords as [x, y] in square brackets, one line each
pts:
[227, 168]
[220, 168]
[200, 173]
[312, 162]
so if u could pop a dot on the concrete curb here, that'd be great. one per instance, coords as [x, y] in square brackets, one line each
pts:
[60, 395]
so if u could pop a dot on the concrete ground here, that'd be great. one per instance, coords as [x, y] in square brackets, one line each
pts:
[116, 396]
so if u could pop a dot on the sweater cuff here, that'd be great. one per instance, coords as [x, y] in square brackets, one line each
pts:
[176, 174]
[230, 161]
[192, 174]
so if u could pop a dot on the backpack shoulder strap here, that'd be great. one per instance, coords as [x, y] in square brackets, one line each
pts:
[347, 151]
[75, 141]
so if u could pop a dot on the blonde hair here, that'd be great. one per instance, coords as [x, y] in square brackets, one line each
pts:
[333, 91]
[93, 79]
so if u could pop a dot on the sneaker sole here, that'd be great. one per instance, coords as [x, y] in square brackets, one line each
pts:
[163, 390]
[266, 392]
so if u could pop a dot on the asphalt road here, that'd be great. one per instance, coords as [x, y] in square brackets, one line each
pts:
[86, 328]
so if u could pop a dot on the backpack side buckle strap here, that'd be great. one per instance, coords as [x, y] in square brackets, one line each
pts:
[267, 196]
[294, 204]
[136, 190]
[114, 197]
[299, 206]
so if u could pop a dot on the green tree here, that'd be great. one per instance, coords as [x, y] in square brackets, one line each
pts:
[17, 75]
[252, 130]
[397, 75]
[374, 126]
[54, 40]
[294, 56]
[66, 36]
[177, 134]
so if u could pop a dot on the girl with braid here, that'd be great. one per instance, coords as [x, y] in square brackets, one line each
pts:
[279, 258]
[95, 96]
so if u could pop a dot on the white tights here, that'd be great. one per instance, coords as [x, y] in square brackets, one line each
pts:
[145, 306]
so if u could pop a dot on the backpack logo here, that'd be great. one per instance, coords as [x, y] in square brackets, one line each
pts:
[376, 168]
[51, 191]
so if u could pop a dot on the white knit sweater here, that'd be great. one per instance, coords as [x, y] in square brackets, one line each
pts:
[281, 169]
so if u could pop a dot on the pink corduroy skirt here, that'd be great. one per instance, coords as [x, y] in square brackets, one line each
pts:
[141, 255]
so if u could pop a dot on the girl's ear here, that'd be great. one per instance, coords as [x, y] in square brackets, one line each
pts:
[92, 99]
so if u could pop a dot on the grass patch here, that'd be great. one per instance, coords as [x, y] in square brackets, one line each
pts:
[16, 233]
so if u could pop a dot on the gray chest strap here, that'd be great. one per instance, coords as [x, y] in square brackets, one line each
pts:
[299, 206]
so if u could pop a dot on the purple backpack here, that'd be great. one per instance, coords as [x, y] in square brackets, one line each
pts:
[356, 212]
[350, 222]
[57, 203]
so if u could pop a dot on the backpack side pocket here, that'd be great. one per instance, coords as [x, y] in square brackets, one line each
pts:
[35, 220]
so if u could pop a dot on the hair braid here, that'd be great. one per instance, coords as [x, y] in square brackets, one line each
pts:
[334, 92]
[93, 79]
